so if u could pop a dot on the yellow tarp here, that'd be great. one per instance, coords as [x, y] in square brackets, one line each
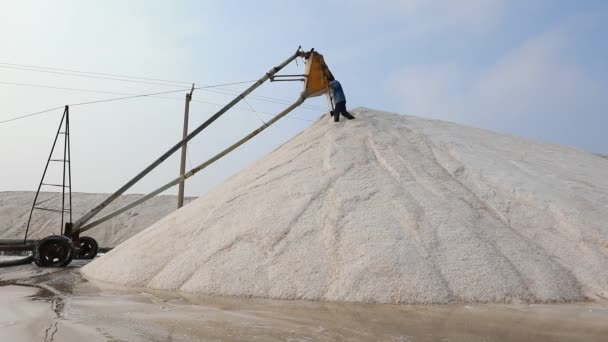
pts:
[317, 73]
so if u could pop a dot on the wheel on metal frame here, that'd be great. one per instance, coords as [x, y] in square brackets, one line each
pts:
[87, 249]
[54, 251]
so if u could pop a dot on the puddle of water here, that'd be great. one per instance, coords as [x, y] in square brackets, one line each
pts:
[242, 319]
[109, 313]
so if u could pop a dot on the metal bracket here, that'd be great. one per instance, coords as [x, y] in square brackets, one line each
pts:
[290, 80]
[303, 79]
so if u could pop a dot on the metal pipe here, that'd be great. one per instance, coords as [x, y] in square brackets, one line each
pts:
[200, 167]
[89, 215]
[16, 241]
[16, 262]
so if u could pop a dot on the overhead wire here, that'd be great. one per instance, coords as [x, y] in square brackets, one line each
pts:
[29, 115]
[71, 89]
[127, 96]
[263, 98]
[94, 73]
[113, 99]
[90, 76]
[256, 113]
[246, 109]
[131, 94]
[188, 153]
[101, 91]
[135, 79]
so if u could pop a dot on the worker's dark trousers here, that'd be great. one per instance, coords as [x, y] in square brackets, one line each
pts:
[341, 109]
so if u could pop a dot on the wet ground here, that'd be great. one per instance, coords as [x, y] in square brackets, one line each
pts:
[58, 305]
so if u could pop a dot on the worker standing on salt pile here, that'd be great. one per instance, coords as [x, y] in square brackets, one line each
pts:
[339, 99]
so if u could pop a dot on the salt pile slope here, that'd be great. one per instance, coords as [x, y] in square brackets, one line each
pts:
[15, 209]
[387, 209]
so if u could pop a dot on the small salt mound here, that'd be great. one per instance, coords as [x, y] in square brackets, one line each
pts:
[387, 209]
[15, 209]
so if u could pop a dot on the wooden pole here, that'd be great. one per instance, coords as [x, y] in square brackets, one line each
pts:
[182, 166]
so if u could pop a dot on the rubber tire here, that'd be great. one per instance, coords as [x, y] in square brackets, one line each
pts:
[91, 248]
[58, 242]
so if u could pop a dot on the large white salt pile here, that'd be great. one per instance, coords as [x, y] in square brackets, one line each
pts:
[389, 209]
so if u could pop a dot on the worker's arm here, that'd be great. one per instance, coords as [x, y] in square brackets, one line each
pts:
[330, 96]
[331, 88]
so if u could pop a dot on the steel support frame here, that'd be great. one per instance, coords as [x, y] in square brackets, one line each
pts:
[67, 167]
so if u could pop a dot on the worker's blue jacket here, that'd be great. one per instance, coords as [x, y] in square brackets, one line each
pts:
[337, 94]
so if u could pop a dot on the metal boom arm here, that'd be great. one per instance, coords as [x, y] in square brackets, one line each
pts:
[89, 215]
[190, 173]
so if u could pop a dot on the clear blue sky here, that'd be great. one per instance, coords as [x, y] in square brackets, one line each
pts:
[537, 69]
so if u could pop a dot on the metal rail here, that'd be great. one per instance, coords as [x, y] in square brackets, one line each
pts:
[200, 167]
[89, 215]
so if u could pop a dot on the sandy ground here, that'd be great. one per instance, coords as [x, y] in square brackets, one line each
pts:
[15, 209]
[58, 305]
[387, 208]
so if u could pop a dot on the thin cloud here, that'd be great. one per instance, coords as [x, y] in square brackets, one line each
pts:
[417, 17]
[534, 84]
